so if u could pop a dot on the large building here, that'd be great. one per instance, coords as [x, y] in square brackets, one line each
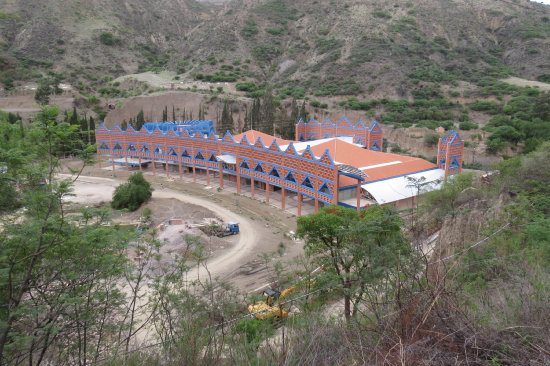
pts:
[336, 165]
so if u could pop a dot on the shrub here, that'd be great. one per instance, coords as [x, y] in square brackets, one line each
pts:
[133, 194]
[431, 138]
[466, 126]
[107, 38]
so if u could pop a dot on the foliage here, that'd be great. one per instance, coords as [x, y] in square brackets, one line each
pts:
[133, 194]
[431, 138]
[249, 29]
[357, 249]
[466, 126]
[108, 39]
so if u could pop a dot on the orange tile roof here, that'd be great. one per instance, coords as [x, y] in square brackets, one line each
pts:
[345, 153]
[252, 136]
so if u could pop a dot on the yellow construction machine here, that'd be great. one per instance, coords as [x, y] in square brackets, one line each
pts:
[272, 307]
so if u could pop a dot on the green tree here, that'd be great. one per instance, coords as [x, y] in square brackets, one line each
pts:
[133, 194]
[303, 113]
[256, 115]
[267, 112]
[358, 250]
[140, 120]
[226, 120]
[165, 114]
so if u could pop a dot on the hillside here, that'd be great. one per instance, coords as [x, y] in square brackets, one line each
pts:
[324, 48]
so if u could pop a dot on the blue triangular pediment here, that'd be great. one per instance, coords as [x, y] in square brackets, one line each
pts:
[259, 139]
[274, 147]
[132, 148]
[104, 146]
[290, 150]
[117, 147]
[145, 149]
[360, 124]
[244, 141]
[228, 138]
[116, 129]
[326, 159]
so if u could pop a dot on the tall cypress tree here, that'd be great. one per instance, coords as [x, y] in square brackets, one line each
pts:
[91, 127]
[303, 113]
[74, 117]
[173, 113]
[140, 120]
[255, 114]
[268, 112]
[165, 114]
[226, 123]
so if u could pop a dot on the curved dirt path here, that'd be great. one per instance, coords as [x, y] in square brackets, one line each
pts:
[95, 189]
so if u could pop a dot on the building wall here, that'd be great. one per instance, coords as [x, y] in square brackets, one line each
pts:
[253, 159]
[370, 137]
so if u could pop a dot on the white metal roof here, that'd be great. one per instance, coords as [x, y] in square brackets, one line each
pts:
[228, 159]
[398, 188]
[300, 146]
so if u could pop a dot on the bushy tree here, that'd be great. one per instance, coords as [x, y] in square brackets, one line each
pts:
[133, 194]
[358, 250]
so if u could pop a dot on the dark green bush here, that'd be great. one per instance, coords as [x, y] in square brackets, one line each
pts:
[466, 126]
[133, 194]
[431, 138]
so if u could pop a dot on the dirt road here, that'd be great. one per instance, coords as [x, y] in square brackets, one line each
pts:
[95, 189]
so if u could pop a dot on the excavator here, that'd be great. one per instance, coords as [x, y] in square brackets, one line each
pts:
[272, 304]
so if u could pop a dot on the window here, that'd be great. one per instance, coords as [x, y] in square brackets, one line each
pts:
[259, 168]
[199, 156]
[185, 154]
[172, 152]
[213, 158]
[244, 165]
[325, 189]
[117, 147]
[145, 149]
[307, 183]
[290, 178]
[275, 173]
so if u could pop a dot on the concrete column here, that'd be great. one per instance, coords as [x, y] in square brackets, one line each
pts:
[238, 163]
[316, 205]
[267, 192]
[181, 173]
[153, 163]
[299, 204]
[252, 186]
[358, 194]
[113, 162]
[166, 167]
[139, 160]
[194, 173]
[283, 193]
[221, 174]
[126, 160]
[99, 159]
[207, 176]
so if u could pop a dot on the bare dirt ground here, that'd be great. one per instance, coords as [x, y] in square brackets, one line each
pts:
[236, 259]
[525, 83]
[26, 106]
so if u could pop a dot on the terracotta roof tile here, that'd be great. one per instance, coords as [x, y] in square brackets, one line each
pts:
[252, 136]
